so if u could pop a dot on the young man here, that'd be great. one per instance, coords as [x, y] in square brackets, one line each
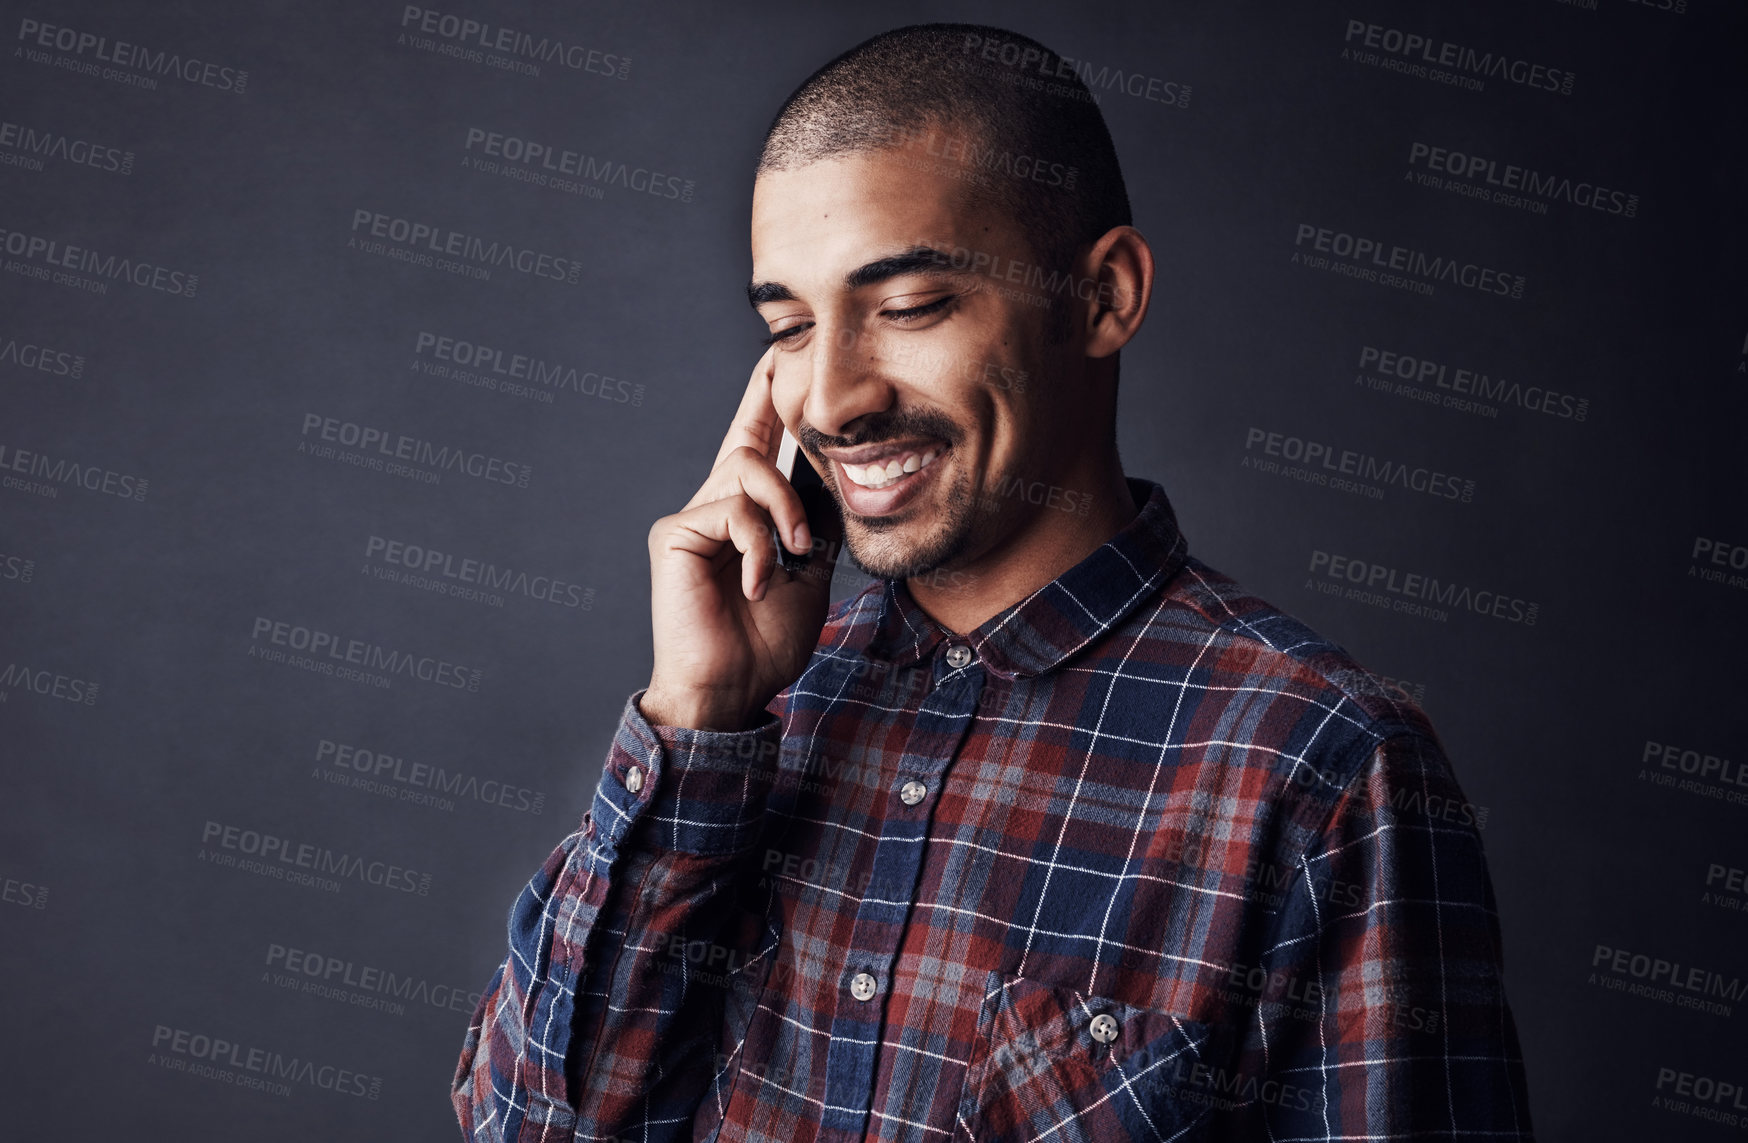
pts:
[1053, 833]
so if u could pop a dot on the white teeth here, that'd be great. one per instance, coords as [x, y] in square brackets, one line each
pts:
[879, 476]
[868, 476]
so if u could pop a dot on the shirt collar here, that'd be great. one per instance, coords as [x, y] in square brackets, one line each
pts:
[1045, 628]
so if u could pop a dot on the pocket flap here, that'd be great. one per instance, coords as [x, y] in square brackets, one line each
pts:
[1059, 1064]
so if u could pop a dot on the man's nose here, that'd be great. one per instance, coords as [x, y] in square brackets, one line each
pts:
[846, 382]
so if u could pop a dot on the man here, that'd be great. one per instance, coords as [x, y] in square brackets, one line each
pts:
[1053, 833]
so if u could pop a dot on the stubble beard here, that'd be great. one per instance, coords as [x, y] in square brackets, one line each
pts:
[877, 552]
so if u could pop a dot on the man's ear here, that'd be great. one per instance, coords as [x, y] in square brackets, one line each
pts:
[1118, 284]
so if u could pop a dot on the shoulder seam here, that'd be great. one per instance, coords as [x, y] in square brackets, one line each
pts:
[1240, 627]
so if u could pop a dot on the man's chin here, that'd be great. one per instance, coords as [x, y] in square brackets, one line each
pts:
[888, 549]
[878, 551]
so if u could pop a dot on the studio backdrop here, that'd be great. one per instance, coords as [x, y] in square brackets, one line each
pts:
[349, 350]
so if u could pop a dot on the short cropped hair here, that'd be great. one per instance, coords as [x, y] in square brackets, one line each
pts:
[1036, 129]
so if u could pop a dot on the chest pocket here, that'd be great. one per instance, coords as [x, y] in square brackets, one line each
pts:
[1057, 1066]
[740, 1008]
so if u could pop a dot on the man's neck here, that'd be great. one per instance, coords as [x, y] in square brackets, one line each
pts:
[966, 596]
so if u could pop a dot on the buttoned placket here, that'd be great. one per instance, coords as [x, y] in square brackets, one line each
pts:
[865, 989]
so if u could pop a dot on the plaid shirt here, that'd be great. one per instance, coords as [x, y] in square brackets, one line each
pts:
[1140, 858]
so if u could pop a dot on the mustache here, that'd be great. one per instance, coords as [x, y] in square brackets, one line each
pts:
[876, 428]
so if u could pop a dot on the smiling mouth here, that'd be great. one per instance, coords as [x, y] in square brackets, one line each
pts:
[885, 474]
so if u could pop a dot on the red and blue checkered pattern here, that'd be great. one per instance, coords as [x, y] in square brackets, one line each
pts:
[1147, 796]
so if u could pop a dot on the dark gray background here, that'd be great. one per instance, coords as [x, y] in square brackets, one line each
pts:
[117, 922]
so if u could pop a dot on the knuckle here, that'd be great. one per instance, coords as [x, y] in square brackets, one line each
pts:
[743, 458]
[758, 530]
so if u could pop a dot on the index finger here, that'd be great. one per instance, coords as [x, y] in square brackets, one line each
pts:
[756, 424]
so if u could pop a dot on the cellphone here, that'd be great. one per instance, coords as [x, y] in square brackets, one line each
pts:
[816, 500]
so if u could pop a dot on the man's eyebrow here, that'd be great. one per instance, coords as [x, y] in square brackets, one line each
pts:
[916, 260]
[758, 293]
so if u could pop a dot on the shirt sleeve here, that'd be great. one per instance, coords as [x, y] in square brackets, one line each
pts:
[1384, 1015]
[601, 1021]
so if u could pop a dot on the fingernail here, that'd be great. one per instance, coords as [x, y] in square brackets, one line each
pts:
[802, 540]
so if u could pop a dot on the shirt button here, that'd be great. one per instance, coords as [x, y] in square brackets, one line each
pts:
[633, 779]
[1104, 1028]
[862, 986]
[958, 655]
[913, 792]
